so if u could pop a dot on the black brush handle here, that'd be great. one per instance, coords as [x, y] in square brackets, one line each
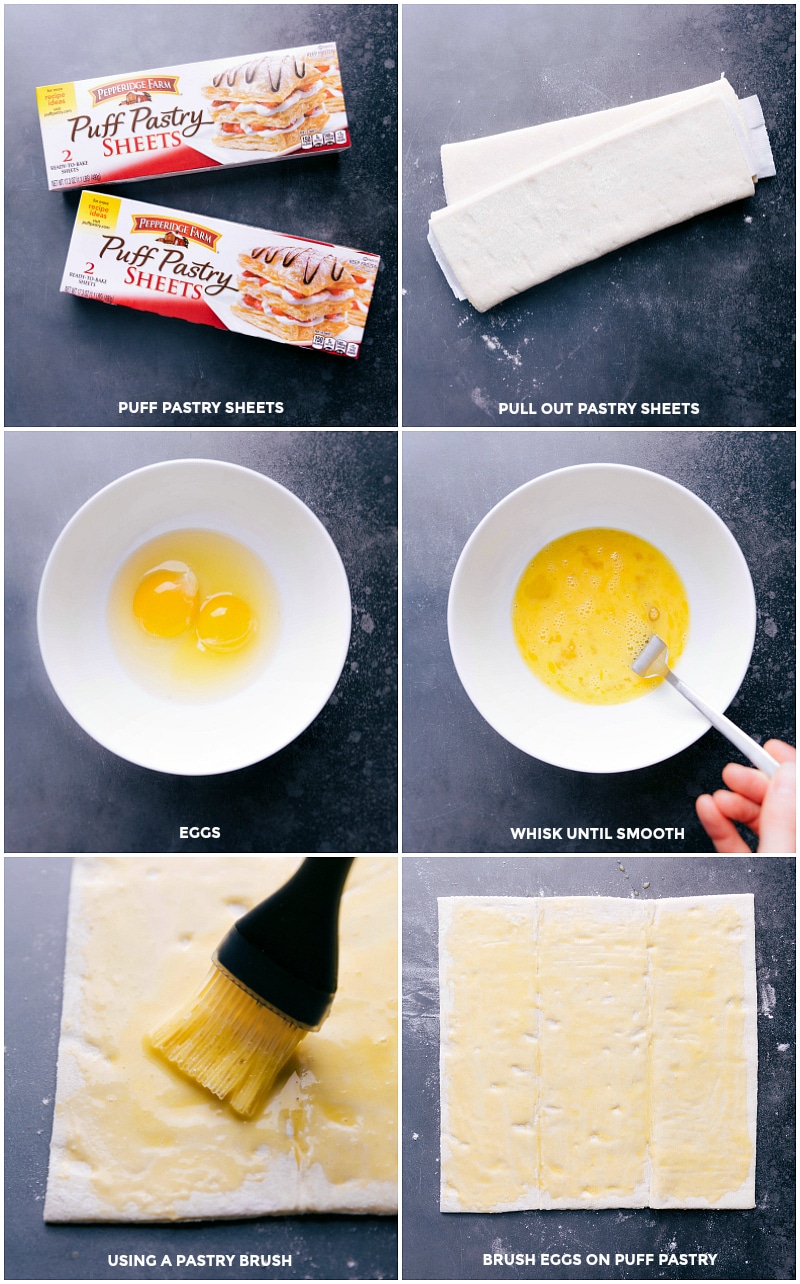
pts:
[286, 950]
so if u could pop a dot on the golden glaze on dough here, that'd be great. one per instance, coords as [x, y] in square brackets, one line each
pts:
[597, 1052]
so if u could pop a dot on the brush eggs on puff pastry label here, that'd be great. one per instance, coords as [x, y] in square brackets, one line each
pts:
[134, 1142]
[597, 1052]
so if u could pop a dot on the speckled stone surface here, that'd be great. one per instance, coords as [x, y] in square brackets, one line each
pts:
[329, 1247]
[69, 361]
[702, 312]
[333, 789]
[464, 786]
[750, 1244]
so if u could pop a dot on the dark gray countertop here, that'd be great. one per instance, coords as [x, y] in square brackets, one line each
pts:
[332, 789]
[751, 1244]
[321, 1247]
[463, 785]
[702, 312]
[69, 361]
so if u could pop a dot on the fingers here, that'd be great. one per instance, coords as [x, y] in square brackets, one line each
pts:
[751, 783]
[767, 806]
[748, 782]
[737, 808]
[720, 830]
[777, 826]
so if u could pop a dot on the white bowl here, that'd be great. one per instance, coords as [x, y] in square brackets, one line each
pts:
[282, 699]
[600, 738]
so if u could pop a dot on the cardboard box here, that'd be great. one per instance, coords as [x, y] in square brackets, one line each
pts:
[265, 284]
[202, 115]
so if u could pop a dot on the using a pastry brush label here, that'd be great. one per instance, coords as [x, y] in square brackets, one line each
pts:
[197, 116]
[310, 294]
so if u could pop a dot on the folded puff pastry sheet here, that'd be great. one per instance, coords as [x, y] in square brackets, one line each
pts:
[134, 1141]
[597, 1053]
[530, 204]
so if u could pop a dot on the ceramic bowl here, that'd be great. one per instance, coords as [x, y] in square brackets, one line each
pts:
[597, 738]
[281, 700]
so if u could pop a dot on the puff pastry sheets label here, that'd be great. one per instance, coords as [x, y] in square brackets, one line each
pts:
[200, 115]
[135, 1142]
[310, 294]
[528, 205]
[597, 1053]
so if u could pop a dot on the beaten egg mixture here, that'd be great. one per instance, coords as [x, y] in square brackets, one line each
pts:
[585, 607]
[193, 614]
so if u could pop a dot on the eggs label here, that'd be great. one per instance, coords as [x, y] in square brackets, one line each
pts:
[586, 606]
[195, 831]
[193, 615]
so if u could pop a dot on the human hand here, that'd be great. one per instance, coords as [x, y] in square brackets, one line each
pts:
[766, 806]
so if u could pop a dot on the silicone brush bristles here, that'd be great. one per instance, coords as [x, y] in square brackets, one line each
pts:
[229, 1042]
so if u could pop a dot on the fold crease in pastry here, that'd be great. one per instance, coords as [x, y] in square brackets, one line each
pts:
[526, 205]
[597, 1052]
[133, 1140]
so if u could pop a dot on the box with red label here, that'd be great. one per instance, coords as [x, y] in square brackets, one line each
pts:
[309, 294]
[202, 115]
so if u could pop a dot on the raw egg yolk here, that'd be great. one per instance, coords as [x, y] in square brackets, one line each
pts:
[225, 622]
[165, 600]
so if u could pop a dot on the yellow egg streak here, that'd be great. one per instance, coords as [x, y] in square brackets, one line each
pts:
[586, 605]
[193, 615]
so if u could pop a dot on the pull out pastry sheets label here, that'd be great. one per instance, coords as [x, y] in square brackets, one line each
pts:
[133, 1140]
[307, 293]
[529, 204]
[597, 1052]
[202, 115]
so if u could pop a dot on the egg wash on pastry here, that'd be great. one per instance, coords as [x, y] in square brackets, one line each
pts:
[193, 615]
[587, 604]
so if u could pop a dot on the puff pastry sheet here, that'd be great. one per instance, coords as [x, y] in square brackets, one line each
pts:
[530, 204]
[132, 1140]
[597, 1053]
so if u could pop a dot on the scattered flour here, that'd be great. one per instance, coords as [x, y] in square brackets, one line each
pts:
[494, 345]
[766, 1000]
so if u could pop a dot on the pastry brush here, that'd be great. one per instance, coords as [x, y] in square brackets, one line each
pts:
[652, 663]
[273, 979]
